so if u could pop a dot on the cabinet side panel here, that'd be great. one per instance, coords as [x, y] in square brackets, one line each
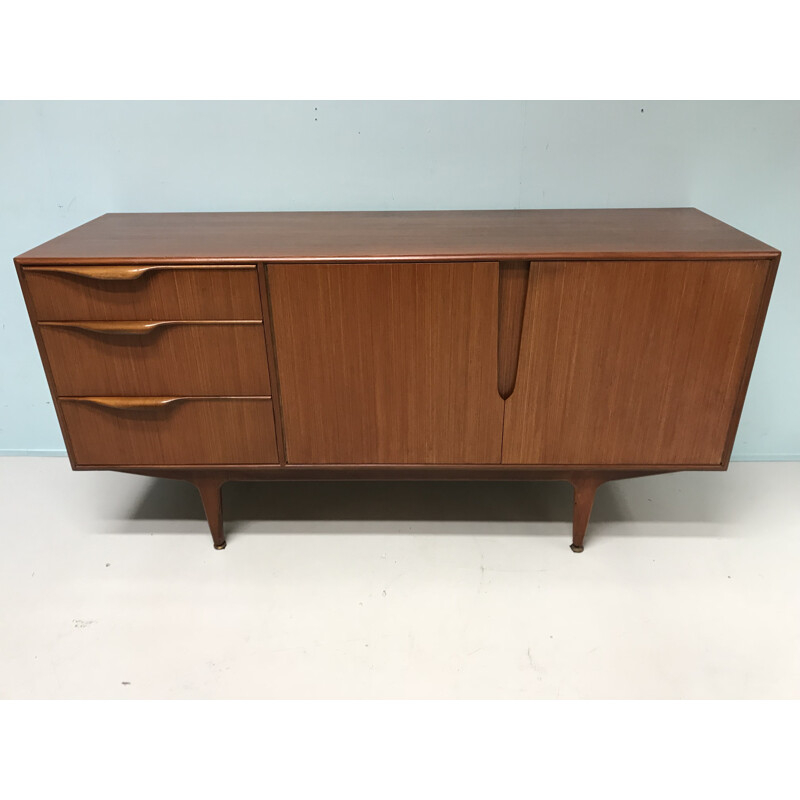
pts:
[772, 270]
[388, 363]
[632, 362]
[45, 362]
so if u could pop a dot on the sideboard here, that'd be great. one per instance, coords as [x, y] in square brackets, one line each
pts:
[577, 345]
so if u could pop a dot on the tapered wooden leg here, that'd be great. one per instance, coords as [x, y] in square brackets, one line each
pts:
[211, 494]
[585, 487]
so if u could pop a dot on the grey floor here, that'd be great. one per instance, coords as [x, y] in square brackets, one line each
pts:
[689, 588]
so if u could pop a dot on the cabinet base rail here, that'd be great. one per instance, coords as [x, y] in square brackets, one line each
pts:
[585, 484]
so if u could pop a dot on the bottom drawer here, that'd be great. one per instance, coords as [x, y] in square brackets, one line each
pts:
[166, 431]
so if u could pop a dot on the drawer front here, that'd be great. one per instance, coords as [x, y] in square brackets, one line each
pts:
[170, 431]
[157, 358]
[149, 293]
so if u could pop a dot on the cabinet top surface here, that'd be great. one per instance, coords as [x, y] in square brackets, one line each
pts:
[398, 235]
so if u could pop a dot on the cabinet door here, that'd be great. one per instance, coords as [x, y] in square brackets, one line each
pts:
[632, 362]
[388, 363]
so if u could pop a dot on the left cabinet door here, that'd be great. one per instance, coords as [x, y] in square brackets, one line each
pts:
[388, 363]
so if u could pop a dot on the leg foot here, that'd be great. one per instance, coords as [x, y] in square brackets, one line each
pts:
[585, 487]
[211, 494]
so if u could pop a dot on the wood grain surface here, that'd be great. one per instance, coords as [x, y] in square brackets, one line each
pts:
[399, 235]
[185, 358]
[180, 431]
[166, 294]
[631, 363]
[388, 363]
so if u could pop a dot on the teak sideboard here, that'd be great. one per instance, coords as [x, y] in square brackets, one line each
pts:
[580, 345]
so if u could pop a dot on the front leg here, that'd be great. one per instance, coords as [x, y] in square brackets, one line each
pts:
[585, 486]
[210, 489]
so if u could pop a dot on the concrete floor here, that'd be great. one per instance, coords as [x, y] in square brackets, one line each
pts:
[689, 588]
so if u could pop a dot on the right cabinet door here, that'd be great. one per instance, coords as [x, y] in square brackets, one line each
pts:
[632, 362]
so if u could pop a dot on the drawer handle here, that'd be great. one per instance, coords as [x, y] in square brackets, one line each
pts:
[128, 403]
[125, 272]
[126, 328]
[135, 328]
[117, 273]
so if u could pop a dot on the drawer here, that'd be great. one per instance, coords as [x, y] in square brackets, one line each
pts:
[148, 292]
[170, 431]
[157, 358]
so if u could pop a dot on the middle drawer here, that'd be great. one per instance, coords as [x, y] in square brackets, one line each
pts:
[207, 357]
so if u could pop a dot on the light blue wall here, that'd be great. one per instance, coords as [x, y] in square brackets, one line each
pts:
[62, 164]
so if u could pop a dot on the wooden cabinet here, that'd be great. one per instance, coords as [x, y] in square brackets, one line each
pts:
[572, 345]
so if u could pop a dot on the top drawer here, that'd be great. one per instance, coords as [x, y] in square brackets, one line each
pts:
[144, 292]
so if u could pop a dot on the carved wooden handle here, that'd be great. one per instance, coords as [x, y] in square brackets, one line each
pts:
[128, 403]
[513, 292]
[135, 327]
[114, 273]
[128, 272]
[126, 328]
